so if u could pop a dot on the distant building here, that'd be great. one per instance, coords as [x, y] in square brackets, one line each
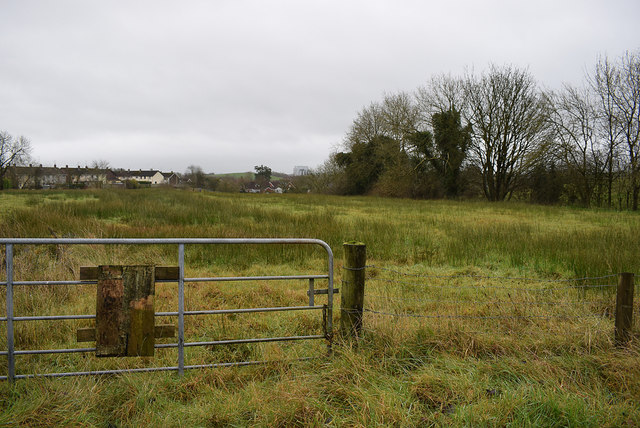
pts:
[152, 176]
[87, 177]
[301, 170]
[42, 177]
[170, 178]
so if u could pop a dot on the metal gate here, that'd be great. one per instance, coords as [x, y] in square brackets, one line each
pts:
[10, 283]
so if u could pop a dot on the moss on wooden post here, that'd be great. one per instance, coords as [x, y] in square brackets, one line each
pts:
[624, 308]
[352, 290]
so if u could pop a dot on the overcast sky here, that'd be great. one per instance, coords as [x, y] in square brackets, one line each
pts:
[227, 85]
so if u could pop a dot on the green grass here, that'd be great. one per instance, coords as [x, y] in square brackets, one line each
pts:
[505, 352]
[545, 241]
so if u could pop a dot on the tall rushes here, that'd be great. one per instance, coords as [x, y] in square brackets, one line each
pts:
[549, 241]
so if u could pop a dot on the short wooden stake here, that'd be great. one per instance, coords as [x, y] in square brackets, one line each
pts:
[624, 309]
[352, 290]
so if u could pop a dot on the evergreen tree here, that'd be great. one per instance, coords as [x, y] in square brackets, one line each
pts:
[450, 143]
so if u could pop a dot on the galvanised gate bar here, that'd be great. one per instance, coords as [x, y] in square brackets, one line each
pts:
[10, 353]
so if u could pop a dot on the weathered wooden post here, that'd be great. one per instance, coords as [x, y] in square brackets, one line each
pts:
[124, 313]
[352, 290]
[125, 310]
[624, 308]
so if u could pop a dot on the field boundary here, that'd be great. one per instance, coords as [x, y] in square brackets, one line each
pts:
[472, 299]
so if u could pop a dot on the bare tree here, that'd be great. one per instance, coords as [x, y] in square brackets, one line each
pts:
[508, 117]
[604, 82]
[13, 151]
[100, 164]
[574, 119]
[195, 176]
[400, 118]
[617, 85]
[443, 93]
[368, 125]
[627, 106]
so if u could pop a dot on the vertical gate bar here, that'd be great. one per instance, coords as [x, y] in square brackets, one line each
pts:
[330, 302]
[324, 320]
[181, 310]
[311, 292]
[11, 368]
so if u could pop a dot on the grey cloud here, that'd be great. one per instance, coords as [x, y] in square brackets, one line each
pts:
[230, 84]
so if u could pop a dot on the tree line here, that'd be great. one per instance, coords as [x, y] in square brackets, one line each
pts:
[498, 135]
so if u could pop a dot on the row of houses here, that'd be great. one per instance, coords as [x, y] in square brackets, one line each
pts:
[45, 177]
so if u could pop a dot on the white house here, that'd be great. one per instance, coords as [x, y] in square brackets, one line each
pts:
[152, 177]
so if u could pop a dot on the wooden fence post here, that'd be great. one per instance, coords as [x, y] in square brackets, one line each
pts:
[624, 308]
[352, 289]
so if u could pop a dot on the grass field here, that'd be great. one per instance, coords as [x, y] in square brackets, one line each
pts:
[472, 317]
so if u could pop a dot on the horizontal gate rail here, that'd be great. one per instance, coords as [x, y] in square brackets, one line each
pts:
[239, 341]
[50, 351]
[151, 369]
[253, 278]
[212, 279]
[54, 317]
[9, 283]
[52, 282]
[174, 345]
[170, 314]
[153, 241]
[241, 311]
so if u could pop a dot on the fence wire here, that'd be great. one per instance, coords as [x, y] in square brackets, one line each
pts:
[491, 277]
[497, 287]
[495, 317]
[393, 294]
